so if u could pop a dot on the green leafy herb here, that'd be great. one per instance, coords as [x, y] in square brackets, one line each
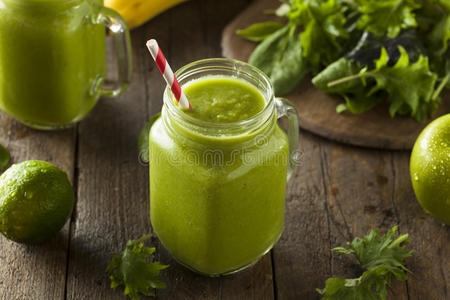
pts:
[4, 157]
[440, 36]
[382, 257]
[143, 138]
[416, 100]
[355, 92]
[280, 57]
[133, 270]
[369, 48]
[340, 41]
[389, 17]
[323, 25]
[260, 31]
[440, 6]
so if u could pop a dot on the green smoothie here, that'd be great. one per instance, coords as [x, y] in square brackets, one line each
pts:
[51, 55]
[223, 100]
[218, 205]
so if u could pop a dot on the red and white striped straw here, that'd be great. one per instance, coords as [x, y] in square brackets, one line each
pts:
[167, 73]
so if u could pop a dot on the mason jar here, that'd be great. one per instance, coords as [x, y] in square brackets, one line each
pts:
[52, 59]
[217, 190]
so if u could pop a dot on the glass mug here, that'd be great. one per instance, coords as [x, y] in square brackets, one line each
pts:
[217, 191]
[53, 61]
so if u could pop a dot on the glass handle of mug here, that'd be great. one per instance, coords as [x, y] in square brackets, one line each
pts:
[119, 29]
[286, 109]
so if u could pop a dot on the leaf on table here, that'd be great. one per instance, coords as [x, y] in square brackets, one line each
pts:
[133, 270]
[143, 138]
[259, 31]
[4, 157]
[387, 17]
[381, 256]
[280, 57]
[376, 250]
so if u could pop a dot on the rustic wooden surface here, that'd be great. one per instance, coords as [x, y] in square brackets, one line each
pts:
[317, 110]
[338, 192]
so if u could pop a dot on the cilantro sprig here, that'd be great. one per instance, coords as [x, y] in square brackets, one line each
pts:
[381, 256]
[402, 46]
[133, 270]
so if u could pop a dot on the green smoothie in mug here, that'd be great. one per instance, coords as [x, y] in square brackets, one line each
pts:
[52, 59]
[218, 172]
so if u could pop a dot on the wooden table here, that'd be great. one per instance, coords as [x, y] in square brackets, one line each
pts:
[339, 192]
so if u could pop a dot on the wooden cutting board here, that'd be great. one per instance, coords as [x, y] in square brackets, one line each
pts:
[317, 110]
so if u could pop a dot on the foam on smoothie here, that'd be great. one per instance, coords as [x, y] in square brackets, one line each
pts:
[222, 99]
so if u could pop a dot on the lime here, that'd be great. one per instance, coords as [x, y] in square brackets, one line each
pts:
[36, 199]
[430, 169]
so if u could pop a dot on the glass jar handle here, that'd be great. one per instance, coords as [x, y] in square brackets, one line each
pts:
[286, 109]
[117, 25]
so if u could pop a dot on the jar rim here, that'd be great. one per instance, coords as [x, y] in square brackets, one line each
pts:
[223, 64]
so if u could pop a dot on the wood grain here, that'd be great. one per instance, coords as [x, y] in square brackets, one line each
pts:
[302, 256]
[112, 186]
[35, 272]
[430, 264]
[359, 199]
[317, 110]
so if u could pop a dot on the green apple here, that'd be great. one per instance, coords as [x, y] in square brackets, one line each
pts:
[430, 169]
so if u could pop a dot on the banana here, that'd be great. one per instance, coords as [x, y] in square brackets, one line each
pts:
[137, 12]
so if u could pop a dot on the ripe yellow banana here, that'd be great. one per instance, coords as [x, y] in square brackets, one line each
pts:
[137, 12]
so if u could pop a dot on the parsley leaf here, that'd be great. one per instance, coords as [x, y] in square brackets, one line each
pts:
[132, 270]
[389, 17]
[375, 250]
[381, 257]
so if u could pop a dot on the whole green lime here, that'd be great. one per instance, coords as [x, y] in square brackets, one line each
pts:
[36, 199]
[430, 169]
